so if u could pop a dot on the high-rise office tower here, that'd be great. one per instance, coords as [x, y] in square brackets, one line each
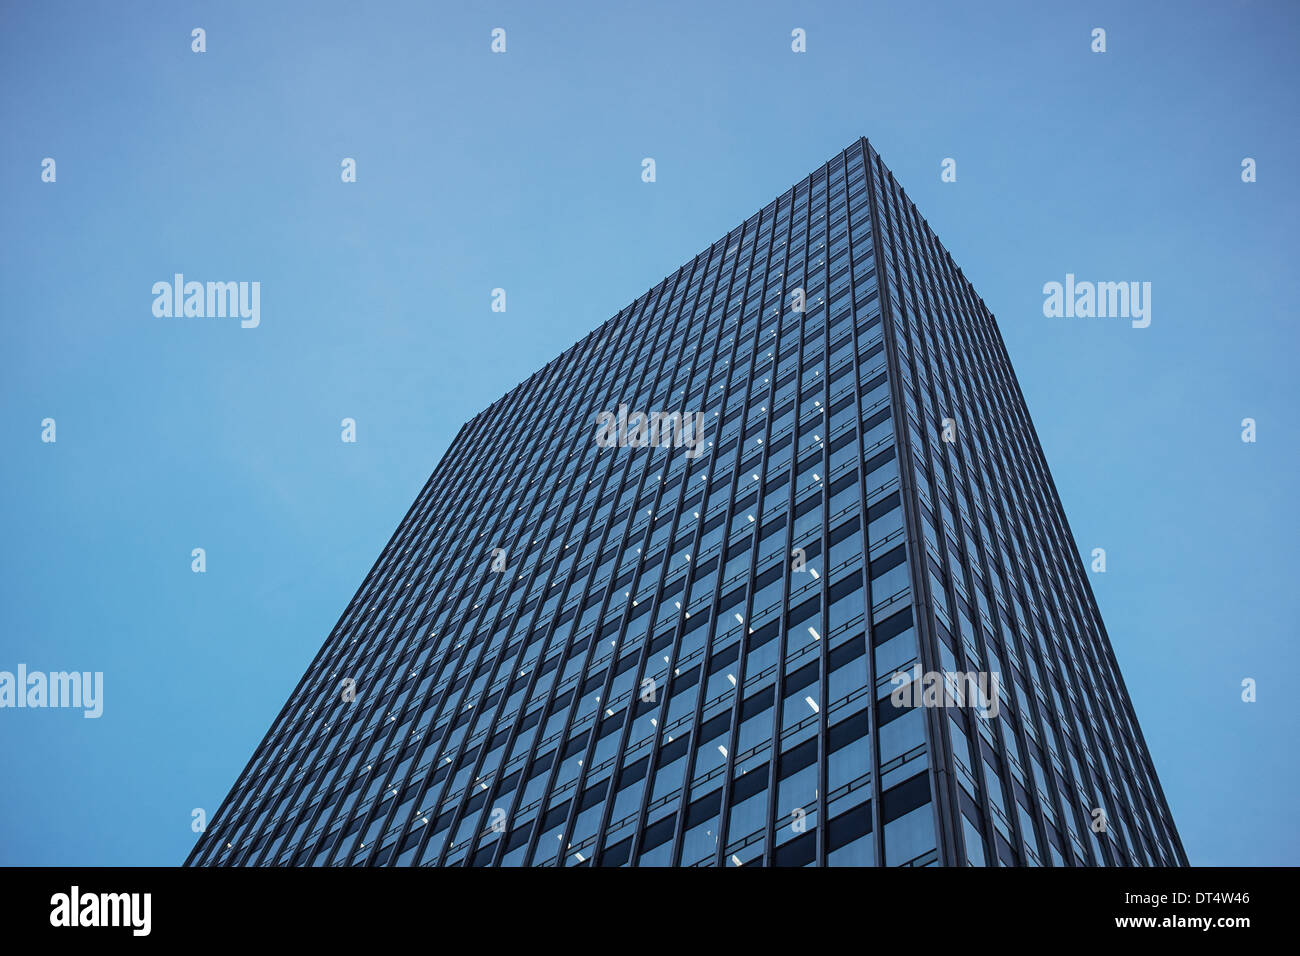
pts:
[687, 596]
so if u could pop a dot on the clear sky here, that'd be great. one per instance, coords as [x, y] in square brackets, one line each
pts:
[522, 171]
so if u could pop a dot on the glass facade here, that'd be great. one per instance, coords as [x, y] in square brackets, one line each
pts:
[576, 652]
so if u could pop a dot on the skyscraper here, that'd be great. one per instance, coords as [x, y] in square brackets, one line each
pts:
[768, 569]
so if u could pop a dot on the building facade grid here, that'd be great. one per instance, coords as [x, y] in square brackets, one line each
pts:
[571, 655]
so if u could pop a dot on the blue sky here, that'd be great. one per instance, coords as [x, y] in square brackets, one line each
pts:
[522, 171]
